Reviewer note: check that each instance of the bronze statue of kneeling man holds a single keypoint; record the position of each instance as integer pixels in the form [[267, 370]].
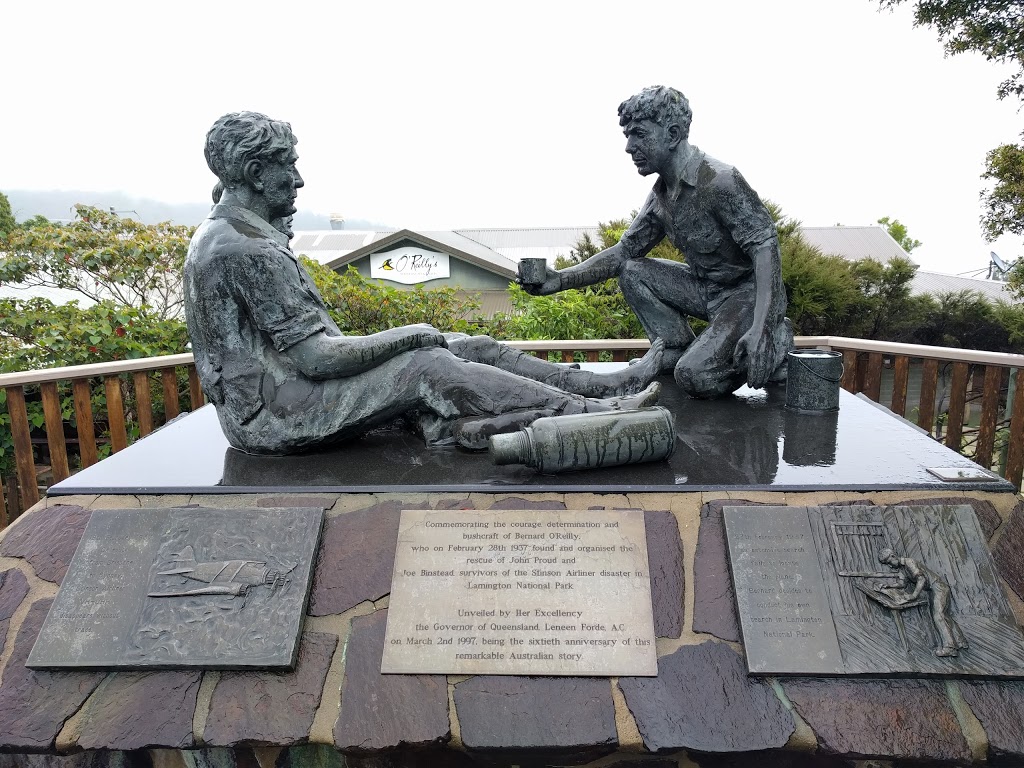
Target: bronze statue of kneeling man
[[285, 379], [732, 277]]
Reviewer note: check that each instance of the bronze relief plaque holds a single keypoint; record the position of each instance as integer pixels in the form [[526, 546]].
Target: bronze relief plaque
[[183, 588], [870, 590]]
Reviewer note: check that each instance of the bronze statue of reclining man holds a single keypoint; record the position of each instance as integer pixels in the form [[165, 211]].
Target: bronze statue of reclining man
[[281, 374]]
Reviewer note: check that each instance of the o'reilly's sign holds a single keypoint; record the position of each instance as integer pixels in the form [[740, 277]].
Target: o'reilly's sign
[[409, 265]]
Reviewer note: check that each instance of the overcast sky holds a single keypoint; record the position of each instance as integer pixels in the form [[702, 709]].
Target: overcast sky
[[443, 115]]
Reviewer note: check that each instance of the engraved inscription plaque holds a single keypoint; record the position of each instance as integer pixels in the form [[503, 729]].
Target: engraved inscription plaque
[[870, 590], [183, 588], [784, 612], [531, 592]]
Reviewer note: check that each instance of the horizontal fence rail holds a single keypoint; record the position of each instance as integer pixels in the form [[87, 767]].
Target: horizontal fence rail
[[963, 397], [65, 419]]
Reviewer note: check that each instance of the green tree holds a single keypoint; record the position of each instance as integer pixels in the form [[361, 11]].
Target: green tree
[[889, 312], [132, 271], [103, 257], [1003, 201], [822, 293], [360, 306], [7, 222], [1011, 317], [898, 232], [35, 333], [570, 314], [36, 221], [597, 311], [964, 319], [993, 28]]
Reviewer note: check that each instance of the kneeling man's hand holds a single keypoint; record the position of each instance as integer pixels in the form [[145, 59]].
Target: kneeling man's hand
[[753, 352], [551, 284]]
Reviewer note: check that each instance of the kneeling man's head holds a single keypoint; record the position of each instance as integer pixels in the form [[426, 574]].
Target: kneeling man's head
[[659, 104]]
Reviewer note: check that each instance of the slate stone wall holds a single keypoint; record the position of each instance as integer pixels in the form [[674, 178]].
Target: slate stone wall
[[336, 709]]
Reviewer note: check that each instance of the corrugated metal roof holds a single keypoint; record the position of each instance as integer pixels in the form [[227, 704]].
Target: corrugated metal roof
[[935, 283], [491, 302], [473, 248], [322, 257], [539, 237], [342, 241], [856, 243]]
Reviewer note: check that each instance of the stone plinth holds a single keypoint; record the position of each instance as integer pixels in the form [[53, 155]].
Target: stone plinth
[[336, 709]]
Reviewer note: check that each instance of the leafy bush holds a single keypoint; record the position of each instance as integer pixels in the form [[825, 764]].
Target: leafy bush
[[360, 306]]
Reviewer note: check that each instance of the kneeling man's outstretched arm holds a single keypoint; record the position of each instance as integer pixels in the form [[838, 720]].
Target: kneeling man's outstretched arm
[[331, 357], [598, 268]]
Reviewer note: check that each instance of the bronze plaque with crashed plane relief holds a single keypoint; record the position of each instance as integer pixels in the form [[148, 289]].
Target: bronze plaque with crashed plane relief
[[182, 588]]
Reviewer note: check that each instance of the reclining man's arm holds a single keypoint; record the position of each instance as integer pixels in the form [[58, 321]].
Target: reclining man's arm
[[332, 357]]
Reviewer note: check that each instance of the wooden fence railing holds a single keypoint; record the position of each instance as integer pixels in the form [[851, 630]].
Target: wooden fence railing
[[965, 398], [98, 409], [67, 418]]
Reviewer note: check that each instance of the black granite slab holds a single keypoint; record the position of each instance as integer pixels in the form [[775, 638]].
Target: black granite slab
[[746, 441]]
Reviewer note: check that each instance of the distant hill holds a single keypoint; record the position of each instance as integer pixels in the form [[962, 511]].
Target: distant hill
[[58, 205]]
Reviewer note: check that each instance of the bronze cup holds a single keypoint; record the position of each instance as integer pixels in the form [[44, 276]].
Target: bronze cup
[[533, 271]]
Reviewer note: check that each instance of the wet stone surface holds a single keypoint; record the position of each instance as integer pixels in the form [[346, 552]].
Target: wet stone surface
[[34, 705], [271, 707], [566, 719], [134, 710], [48, 541], [703, 700], [665, 557], [385, 711], [884, 718], [426, 758], [1009, 551], [357, 557], [999, 705], [297, 500], [13, 588], [722, 443], [714, 600], [519, 503], [453, 504]]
